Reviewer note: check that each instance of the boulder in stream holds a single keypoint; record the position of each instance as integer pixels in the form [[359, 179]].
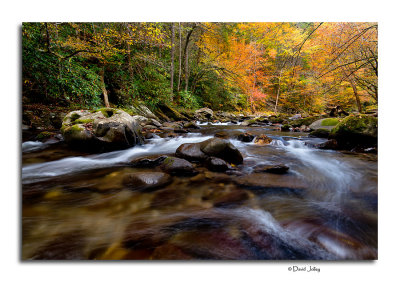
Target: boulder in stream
[[146, 181], [177, 166], [223, 149], [102, 130], [204, 114], [356, 130]]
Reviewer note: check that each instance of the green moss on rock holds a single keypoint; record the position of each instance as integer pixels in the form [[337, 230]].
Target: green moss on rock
[[107, 112], [74, 117], [362, 124], [83, 121], [330, 122], [44, 135]]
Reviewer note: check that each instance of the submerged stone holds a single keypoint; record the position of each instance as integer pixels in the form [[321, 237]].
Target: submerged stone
[[146, 181]]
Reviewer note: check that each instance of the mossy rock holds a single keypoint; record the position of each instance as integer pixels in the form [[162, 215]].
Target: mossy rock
[[104, 129], [330, 122], [304, 121], [356, 130], [285, 127], [44, 135], [320, 133], [357, 125]]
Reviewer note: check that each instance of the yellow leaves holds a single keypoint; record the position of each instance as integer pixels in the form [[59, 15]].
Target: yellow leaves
[[272, 53]]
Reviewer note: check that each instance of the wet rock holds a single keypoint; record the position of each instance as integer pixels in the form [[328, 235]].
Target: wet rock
[[148, 162], [177, 166], [245, 137], [222, 135], [143, 235], [190, 152], [262, 140], [285, 127], [69, 246], [213, 243], [277, 169], [222, 149], [268, 183], [149, 127], [149, 135], [328, 145], [154, 122], [232, 200], [172, 125], [356, 130], [320, 133], [103, 130], [180, 130], [191, 125], [170, 251], [146, 181], [271, 246], [167, 197], [216, 164], [168, 135]]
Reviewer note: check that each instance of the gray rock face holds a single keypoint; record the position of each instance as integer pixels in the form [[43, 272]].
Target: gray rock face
[[146, 181], [204, 114], [104, 130]]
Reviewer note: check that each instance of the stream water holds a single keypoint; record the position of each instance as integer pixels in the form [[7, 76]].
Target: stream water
[[75, 206]]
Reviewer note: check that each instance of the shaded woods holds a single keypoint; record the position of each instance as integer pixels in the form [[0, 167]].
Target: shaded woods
[[253, 67]]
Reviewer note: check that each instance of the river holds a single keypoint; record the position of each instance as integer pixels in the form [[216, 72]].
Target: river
[[75, 206]]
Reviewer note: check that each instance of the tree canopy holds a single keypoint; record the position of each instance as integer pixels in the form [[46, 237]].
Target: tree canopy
[[280, 66]]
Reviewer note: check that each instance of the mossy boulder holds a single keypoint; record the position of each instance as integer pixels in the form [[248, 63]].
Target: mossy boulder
[[356, 130], [320, 133], [325, 123], [330, 122], [105, 129], [204, 114], [303, 121]]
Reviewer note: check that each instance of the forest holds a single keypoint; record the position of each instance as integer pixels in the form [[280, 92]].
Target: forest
[[242, 67]]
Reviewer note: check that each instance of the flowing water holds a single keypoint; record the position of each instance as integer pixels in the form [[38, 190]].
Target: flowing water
[[75, 206]]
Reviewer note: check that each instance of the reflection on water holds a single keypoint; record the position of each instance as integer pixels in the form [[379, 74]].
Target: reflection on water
[[75, 206]]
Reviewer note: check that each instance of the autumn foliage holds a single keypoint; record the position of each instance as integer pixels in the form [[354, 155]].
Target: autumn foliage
[[281, 67]]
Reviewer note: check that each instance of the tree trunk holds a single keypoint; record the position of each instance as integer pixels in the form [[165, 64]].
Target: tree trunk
[[103, 88], [277, 92], [353, 85], [180, 57], [187, 57], [172, 59]]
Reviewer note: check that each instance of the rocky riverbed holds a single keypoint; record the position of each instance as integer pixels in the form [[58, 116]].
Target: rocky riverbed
[[200, 190]]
